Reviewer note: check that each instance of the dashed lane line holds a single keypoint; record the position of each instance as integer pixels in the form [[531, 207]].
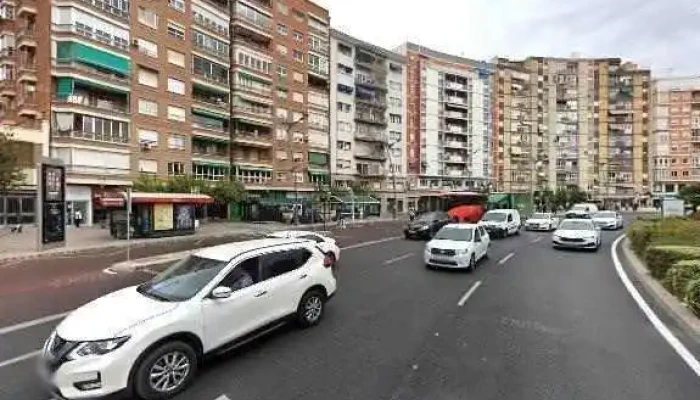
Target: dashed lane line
[[469, 293], [505, 259], [29, 324], [399, 258], [21, 358]]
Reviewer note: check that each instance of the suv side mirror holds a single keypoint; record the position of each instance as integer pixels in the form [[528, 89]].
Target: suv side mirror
[[221, 292]]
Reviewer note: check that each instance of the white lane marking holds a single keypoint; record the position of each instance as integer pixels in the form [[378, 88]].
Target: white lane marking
[[505, 259], [21, 358], [29, 324], [469, 293], [537, 239], [666, 333], [109, 271], [222, 397], [399, 258], [373, 242]]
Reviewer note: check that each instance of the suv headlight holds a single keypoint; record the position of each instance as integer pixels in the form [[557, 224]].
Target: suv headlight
[[97, 348], [461, 252]]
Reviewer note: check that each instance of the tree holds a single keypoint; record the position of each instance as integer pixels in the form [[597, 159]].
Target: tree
[[149, 184], [185, 184], [691, 195], [11, 174], [225, 191], [576, 195]]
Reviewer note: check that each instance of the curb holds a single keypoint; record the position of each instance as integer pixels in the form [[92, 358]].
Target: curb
[[679, 312], [122, 244]]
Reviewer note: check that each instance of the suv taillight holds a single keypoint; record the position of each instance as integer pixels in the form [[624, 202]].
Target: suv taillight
[[328, 261]]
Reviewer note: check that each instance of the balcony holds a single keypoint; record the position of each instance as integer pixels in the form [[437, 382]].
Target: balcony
[[94, 103], [253, 139], [371, 136], [321, 48], [380, 103], [27, 7], [255, 111], [27, 70], [216, 102], [91, 136], [69, 66], [209, 26], [621, 108], [252, 44], [28, 105], [26, 38], [456, 86], [252, 20], [219, 81], [455, 160], [368, 170], [456, 172], [370, 118], [256, 89], [7, 88], [456, 115], [372, 82], [455, 144], [455, 129], [107, 8], [377, 155], [7, 56], [219, 55], [213, 125], [458, 101], [318, 70]]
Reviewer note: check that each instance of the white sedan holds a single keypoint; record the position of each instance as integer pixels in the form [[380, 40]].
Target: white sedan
[[608, 220], [457, 246], [327, 244], [542, 222], [577, 234]]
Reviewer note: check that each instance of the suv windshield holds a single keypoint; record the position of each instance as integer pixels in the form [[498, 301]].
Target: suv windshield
[[458, 234], [605, 215], [577, 225], [495, 216], [183, 280], [540, 216]]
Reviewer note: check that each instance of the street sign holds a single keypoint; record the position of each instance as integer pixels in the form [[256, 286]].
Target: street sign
[[51, 204], [673, 207]]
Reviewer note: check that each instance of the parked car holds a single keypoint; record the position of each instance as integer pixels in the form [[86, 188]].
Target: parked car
[[327, 244], [542, 222], [149, 340], [425, 226], [608, 220], [582, 210], [457, 246], [577, 234], [501, 223]]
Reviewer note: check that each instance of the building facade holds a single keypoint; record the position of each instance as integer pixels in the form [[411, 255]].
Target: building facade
[[210, 88], [676, 138], [368, 120], [449, 109], [589, 123]]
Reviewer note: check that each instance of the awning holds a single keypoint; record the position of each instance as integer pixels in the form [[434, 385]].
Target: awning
[[318, 172], [170, 198], [92, 56], [497, 198]]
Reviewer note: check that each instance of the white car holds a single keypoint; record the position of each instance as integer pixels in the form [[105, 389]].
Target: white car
[[608, 220], [149, 340], [457, 246], [542, 222], [577, 234], [502, 222], [327, 244]]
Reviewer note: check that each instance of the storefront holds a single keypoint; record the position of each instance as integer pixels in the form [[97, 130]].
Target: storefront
[[79, 198]]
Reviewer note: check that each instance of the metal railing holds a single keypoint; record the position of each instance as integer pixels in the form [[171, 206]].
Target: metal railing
[[90, 136], [221, 55], [373, 118], [209, 102], [69, 63], [102, 5], [210, 78], [95, 102], [259, 22]]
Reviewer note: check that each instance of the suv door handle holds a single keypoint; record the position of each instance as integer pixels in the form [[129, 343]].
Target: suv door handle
[[303, 276], [260, 294]]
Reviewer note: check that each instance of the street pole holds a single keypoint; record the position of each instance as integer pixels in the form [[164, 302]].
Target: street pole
[[296, 197], [128, 224], [231, 80]]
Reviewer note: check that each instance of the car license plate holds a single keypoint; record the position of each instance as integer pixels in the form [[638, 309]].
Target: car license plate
[[441, 258]]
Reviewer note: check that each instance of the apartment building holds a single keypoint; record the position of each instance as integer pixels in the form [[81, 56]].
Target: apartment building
[[210, 88], [368, 120], [449, 106], [590, 126], [675, 142]]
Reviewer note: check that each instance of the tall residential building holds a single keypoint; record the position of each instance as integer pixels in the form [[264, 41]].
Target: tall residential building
[[449, 105], [368, 123], [676, 139], [133, 87], [24, 98], [590, 128]]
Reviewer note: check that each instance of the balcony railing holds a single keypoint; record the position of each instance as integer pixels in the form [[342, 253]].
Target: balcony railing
[[371, 171], [105, 6], [245, 136], [7, 52], [258, 21], [211, 78], [91, 136], [238, 41], [263, 91], [258, 111], [109, 77], [210, 26], [371, 155], [95, 102], [198, 124], [209, 102], [455, 159], [26, 35], [375, 102], [27, 99], [318, 70], [221, 55], [456, 114], [371, 118], [455, 144], [371, 136], [456, 129]]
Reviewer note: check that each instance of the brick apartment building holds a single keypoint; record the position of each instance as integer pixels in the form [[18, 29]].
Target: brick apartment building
[[129, 87]]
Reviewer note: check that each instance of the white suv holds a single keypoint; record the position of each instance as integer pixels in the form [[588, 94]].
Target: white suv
[[148, 340]]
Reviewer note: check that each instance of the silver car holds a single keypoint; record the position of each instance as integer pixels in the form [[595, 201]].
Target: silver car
[[608, 220], [577, 234]]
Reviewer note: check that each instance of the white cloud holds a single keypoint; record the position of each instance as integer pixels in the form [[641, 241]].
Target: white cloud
[[654, 33]]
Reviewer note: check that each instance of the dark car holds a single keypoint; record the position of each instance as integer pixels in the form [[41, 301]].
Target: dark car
[[425, 226]]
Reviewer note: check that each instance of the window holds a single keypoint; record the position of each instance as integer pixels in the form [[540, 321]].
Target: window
[[253, 62], [281, 71], [281, 94], [281, 155], [148, 17], [343, 163], [298, 36], [281, 113], [148, 166], [176, 58], [176, 168], [148, 107], [297, 137], [148, 48], [298, 56], [282, 8], [344, 126], [282, 49], [176, 142], [282, 29], [148, 77], [395, 118], [243, 275], [299, 16], [209, 44], [281, 176], [298, 77], [148, 136], [298, 157], [178, 5], [177, 113], [344, 107], [344, 145], [298, 177], [281, 134], [176, 86], [298, 97], [279, 263], [396, 86], [176, 31]]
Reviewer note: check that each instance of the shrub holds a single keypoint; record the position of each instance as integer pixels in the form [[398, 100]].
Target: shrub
[[669, 231], [680, 274], [640, 235], [692, 297], [660, 258]]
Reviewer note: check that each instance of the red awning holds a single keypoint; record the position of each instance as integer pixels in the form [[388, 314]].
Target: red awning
[[111, 202]]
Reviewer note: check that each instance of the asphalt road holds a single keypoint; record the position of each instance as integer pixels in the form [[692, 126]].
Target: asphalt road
[[538, 324]]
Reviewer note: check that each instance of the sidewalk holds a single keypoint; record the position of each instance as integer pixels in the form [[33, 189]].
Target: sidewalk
[[23, 245]]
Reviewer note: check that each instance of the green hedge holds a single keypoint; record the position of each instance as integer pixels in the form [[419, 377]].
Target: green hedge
[[660, 258], [669, 231], [692, 297], [679, 275]]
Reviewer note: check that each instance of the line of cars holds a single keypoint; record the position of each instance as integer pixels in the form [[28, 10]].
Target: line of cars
[[148, 341]]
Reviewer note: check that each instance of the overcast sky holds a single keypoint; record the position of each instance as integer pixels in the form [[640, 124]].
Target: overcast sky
[[662, 35]]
